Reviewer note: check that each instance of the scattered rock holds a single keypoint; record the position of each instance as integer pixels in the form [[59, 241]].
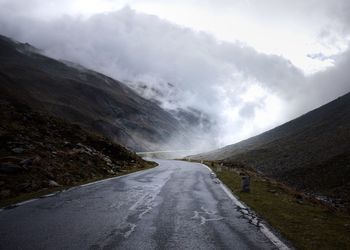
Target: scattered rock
[[36, 157], [52, 183], [18, 150], [217, 181], [107, 160], [115, 167], [110, 171], [10, 168]]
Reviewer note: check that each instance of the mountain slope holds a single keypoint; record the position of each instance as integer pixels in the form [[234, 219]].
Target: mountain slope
[[311, 152], [39, 152], [82, 96]]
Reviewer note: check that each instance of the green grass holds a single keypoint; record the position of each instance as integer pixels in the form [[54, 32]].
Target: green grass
[[307, 225], [39, 193]]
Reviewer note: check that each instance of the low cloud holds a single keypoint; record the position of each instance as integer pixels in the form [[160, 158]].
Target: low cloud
[[243, 92]]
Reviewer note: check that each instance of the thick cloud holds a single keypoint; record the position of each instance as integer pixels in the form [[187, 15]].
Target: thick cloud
[[242, 91]]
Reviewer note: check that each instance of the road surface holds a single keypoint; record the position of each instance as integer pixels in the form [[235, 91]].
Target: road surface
[[176, 205]]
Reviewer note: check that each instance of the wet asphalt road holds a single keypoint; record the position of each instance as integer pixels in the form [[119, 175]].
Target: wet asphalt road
[[176, 205]]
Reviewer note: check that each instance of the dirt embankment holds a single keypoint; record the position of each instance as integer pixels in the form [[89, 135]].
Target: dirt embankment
[[40, 152]]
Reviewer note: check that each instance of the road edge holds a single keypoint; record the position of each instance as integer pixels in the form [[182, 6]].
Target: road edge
[[262, 227], [68, 189]]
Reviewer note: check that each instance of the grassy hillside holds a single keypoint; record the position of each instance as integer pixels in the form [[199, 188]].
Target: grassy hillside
[[303, 220], [310, 153]]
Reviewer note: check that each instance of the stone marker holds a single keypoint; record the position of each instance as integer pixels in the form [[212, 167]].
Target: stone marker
[[245, 184]]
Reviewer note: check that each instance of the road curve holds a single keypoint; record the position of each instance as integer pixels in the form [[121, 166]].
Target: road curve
[[176, 205]]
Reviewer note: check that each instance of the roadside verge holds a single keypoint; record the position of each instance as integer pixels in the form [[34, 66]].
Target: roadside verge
[[306, 224], [251, 216]]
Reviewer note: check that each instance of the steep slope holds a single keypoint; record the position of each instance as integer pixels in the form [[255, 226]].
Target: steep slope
[[39, 152], [82, 96], [311, 152]]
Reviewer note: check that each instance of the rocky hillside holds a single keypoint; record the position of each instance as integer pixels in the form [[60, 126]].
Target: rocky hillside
[[82, 96], [40, 152], [310, 153]]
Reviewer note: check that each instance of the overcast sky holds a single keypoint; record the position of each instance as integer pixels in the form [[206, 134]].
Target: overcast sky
[[249, 64]]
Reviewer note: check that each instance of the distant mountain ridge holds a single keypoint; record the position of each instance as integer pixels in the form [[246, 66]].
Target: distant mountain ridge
[[90, 99], [311, 152]]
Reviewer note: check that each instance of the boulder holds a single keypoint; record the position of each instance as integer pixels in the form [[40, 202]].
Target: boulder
[[52, 183], [18, 150]]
